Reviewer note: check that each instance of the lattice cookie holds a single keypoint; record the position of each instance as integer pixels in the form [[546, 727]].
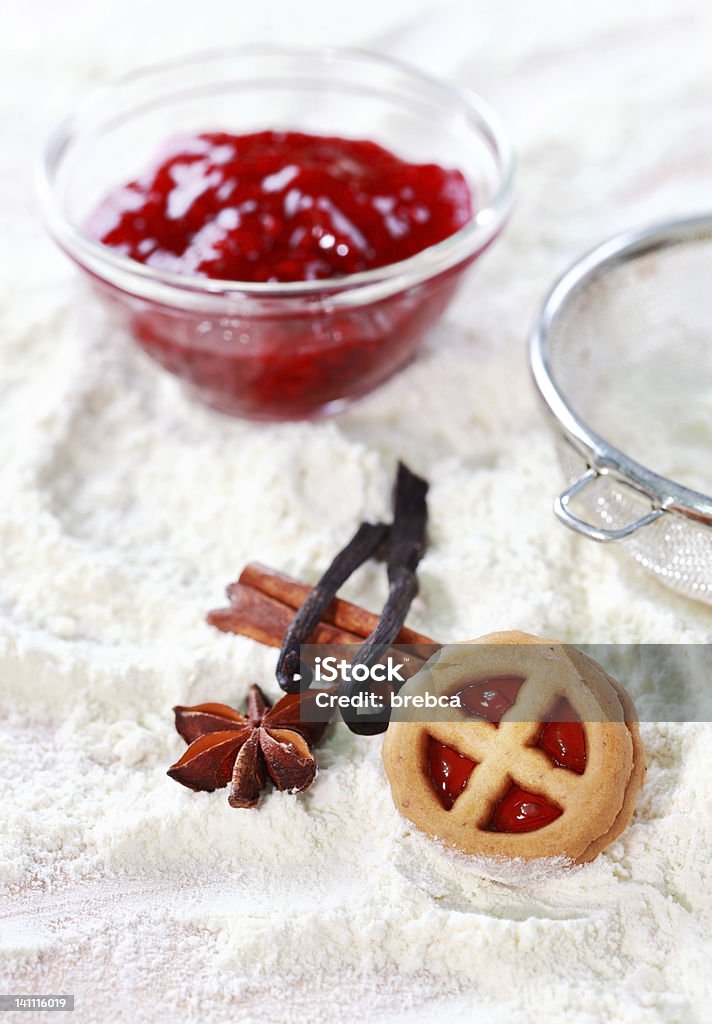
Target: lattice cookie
[[543, 758]]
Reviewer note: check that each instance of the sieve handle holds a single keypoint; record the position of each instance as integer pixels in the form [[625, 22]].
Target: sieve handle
[[599, 533]]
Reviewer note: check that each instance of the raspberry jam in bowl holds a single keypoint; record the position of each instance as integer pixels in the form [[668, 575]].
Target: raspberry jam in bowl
[[279, 228]]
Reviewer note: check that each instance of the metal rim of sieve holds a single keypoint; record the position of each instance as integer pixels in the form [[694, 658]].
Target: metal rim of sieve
[[602, 459]]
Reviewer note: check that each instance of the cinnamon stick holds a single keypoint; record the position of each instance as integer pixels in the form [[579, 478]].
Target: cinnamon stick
[[343, 614], [261, 617], [263, 602]]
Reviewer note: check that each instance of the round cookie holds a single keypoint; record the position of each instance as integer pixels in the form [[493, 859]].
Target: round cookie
[[512, 796]]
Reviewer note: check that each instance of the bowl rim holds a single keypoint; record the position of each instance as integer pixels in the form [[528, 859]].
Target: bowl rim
[[451, 251]]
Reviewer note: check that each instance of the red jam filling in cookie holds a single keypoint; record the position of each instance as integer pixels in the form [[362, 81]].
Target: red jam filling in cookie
[[519, 811], [563, 738], [449, 772], [491, 698]]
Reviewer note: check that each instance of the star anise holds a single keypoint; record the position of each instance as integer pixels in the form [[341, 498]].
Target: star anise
[[247, 749]]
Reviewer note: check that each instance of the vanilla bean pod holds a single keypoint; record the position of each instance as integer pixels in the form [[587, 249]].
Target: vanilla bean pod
[[406, 548], [364, 544]]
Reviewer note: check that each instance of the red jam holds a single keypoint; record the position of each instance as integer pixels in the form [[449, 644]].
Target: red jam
[[491, 698], [449, 772], [282, 207], [519, 811], [563, 738]]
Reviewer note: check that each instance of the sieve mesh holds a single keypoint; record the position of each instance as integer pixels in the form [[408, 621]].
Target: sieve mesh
[[675, 549], [629, 348]]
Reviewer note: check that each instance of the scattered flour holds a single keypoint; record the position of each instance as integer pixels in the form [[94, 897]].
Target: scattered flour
[[126, 509]]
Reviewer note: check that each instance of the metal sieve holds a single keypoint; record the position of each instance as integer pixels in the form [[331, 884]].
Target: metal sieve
[[622, 350]]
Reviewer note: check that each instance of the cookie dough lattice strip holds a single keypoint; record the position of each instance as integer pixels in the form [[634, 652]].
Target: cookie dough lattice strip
[[503, 755]]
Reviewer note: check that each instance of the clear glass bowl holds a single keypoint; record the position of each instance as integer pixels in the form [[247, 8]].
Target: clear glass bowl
[[276, 351]]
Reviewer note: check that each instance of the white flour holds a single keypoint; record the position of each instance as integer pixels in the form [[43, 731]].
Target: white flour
[[125, 510]]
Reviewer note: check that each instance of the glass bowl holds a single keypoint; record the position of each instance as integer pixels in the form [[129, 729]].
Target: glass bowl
[[276, 351]]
